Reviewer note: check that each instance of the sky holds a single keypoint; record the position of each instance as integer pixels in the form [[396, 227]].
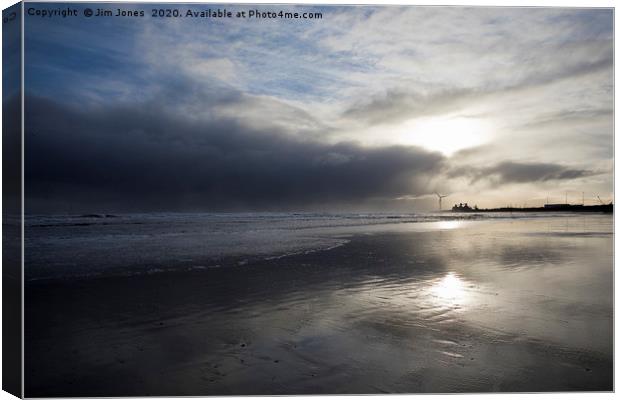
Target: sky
[[365, 109]]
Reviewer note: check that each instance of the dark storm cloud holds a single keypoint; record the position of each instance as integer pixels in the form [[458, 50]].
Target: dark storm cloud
[[516, 172], [143, 157], [11, 152]]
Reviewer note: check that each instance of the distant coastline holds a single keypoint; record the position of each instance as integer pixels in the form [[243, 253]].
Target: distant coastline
[[605, 208]]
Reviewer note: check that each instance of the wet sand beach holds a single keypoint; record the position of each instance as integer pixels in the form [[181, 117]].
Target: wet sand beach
[[474, 306]]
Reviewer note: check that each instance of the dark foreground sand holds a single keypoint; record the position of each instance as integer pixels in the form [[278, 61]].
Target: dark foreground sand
[[475, 307]]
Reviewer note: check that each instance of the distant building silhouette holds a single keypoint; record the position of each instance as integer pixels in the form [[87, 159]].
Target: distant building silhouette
[[462, 207]]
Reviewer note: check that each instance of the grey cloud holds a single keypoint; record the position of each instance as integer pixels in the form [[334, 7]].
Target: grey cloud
[[395, 105], [518, 172], [142, 158], [569, 118]]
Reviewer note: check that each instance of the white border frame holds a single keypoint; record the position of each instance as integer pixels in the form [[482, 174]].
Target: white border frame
[[481, 3]]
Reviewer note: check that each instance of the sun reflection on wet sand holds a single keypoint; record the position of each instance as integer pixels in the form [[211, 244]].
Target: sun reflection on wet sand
[[450, 289], [449, 224]]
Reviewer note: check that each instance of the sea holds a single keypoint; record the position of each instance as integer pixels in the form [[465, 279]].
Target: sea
[[91, 245]]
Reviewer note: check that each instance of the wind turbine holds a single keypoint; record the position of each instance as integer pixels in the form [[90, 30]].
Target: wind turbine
[[440, 197]]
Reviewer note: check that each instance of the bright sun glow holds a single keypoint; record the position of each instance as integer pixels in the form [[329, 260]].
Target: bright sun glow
[[445, 134]]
